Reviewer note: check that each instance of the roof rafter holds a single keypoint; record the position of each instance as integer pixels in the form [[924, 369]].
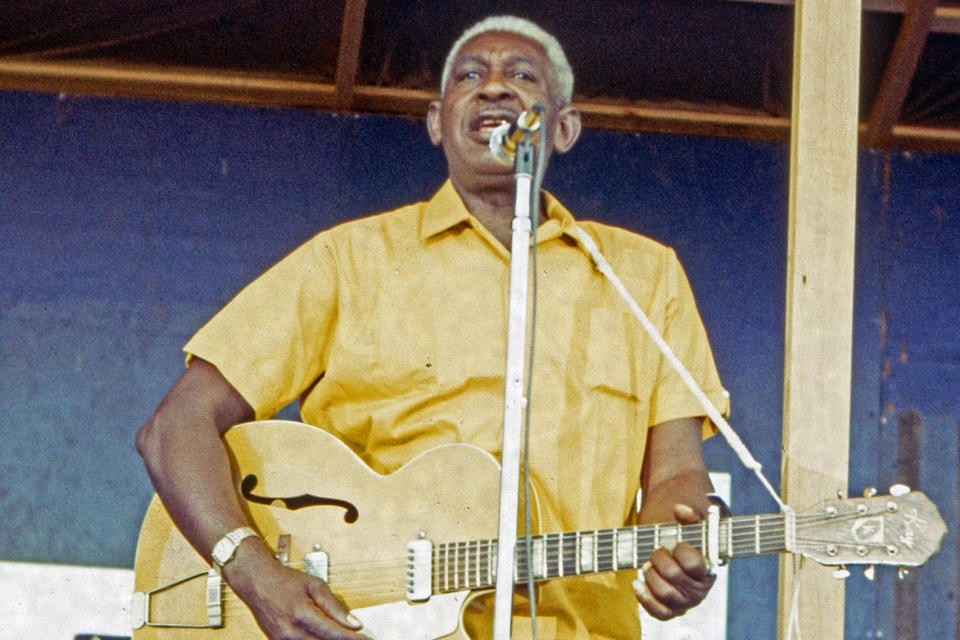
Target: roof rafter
[[348, 57], [899, 72]]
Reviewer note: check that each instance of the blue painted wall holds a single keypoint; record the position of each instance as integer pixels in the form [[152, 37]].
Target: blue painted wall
[[126, 224]]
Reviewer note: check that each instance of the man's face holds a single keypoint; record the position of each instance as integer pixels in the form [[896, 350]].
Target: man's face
[[495, 77]]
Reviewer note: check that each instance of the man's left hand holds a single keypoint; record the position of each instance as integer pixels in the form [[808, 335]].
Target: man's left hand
[[672, 583]]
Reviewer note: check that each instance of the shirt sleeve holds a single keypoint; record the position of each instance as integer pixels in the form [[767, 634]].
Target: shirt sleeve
[[683, 330], [269, 341]]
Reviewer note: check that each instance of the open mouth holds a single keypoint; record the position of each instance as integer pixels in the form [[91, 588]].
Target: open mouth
[[484, 123]]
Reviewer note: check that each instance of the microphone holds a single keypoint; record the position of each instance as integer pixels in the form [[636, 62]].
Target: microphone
[[505, 138]]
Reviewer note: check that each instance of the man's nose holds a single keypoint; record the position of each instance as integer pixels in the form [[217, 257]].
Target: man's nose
[[495, 87]]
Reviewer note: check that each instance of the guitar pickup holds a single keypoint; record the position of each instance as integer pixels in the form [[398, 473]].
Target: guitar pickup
[[419, 570]]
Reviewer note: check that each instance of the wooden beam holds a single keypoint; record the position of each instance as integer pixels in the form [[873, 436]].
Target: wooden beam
[[946, 20], [163, 83], [204, 85], [819, 305], [899, 72], [348, 58], [672, 120]]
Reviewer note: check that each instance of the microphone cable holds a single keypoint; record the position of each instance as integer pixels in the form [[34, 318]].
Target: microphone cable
[[538, 172]]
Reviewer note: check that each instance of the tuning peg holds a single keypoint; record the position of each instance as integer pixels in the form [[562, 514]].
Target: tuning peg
[[898, 490], [902, 572], [868, 572], [869, 492], [841, 573]]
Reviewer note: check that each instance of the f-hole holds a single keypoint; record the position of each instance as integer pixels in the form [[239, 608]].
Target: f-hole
[[304, 500]]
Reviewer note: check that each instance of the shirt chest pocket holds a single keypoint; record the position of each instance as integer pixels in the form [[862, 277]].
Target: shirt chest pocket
[[610, 354]]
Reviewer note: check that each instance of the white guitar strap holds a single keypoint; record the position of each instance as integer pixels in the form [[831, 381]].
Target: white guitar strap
[[603, 266], [600, 262]]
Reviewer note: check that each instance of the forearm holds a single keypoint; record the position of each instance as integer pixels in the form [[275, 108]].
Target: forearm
[[675, 486], [186, 459], [674, 471], [688, 488]]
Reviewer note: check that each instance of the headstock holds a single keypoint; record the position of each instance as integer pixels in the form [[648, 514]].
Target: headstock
[[903, 529]]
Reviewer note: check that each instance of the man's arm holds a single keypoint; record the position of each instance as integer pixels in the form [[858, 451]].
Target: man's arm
[[187, 461], [675, 486]]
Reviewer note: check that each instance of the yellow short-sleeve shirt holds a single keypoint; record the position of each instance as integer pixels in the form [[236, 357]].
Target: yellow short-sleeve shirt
[[392, 332]]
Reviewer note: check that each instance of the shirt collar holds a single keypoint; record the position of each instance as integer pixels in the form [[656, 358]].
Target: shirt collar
[[445, 210]]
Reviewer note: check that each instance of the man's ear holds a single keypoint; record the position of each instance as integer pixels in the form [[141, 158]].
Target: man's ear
[[434, 118], [568, 129]]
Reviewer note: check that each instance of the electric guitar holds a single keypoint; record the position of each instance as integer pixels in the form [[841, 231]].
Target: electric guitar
[[407, 551]]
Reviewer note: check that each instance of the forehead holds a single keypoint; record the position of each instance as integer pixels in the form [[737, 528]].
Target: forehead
[[502, 44]]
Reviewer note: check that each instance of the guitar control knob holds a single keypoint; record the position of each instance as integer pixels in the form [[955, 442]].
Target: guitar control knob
[[899, 490]]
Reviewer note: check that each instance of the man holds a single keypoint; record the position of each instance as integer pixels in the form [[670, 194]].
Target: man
[[391, 330]]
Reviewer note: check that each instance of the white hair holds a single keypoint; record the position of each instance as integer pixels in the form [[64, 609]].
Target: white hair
[[562, 74]]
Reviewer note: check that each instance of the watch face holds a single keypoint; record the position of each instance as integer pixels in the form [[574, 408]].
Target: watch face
[[223, 551], [227, 545]]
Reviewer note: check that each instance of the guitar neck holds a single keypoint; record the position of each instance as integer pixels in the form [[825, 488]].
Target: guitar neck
[[471, 565]]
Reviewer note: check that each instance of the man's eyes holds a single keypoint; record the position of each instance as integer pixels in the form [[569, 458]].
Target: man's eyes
[[474, 74]]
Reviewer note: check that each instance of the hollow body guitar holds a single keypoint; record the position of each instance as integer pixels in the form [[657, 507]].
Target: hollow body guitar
[[407, 551]]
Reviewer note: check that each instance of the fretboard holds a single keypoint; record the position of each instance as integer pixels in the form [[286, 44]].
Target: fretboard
[[472, 565]]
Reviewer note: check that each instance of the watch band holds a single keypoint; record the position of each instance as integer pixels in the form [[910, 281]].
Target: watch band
[[226, 546]]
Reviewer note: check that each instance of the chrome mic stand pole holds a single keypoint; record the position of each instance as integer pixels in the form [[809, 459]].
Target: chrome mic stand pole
[[515, 400]]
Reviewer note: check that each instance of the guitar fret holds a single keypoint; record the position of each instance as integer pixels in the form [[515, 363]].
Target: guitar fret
[[554, 551], [579, 552], [491, 553], [730, 538], [596, 546], [446, 566], [452, 554], [570, 543], [756, 534], [615, 555], [540, 553], [476, 564]]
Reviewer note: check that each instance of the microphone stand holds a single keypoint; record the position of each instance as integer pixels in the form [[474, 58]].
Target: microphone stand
[[515, 402]]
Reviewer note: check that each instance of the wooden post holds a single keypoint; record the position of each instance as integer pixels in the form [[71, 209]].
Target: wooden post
[[819, 305]]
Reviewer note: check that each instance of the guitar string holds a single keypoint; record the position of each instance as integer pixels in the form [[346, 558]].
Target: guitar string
[[462, 571], [454, 554], [341, 580], [744, 526]]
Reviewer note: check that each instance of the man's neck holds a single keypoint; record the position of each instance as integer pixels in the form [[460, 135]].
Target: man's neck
[[494, 208]]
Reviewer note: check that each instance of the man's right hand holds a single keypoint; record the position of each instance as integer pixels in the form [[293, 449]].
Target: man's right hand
[[286, 603]]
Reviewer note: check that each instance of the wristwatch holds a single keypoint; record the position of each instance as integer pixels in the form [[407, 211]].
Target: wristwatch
[[226, 546]]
